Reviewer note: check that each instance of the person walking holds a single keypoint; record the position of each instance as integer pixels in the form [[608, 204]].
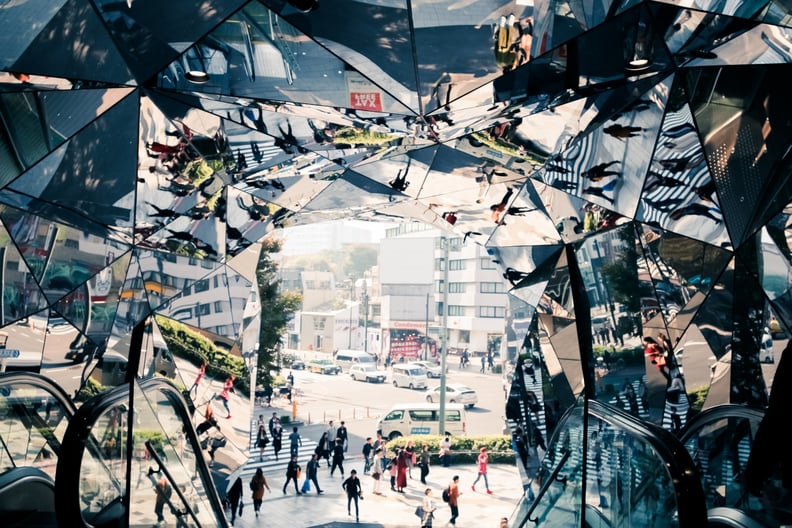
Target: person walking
[[295, 442], [483, 461], [277, 438], [453, 499], [313, 469], [424, 462], [292, 473], [483, 363], [338, 457], [163, 493], [321, 449], [343, 435], [257, 485], [234, 497], [225, 395], [354, 492], [368, 451], [428, 509], [272, 422], [197, 382], [262, 440]]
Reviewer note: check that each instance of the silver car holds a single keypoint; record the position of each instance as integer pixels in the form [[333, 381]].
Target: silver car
[[432, 370], [454, 394]]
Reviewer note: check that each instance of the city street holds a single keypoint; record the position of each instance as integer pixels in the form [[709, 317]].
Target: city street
[[328, 397]]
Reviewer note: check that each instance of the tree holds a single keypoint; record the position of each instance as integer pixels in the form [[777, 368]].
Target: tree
[[277, 308], [359, 258]]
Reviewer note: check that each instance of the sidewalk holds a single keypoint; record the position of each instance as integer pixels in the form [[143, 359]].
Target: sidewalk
[[392, 510]]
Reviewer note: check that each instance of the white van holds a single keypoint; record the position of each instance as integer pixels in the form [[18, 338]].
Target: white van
[[347, 358], [411, 376], [421, 418]]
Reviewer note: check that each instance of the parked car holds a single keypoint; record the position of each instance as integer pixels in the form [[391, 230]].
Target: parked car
[[366, 372], [776, 331], [432, 370], [297, 364], [454, 394], [323, 366]]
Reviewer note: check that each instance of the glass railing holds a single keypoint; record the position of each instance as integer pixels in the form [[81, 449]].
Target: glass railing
[[34, 415], [132, 458], [605, 468], [720, 441]]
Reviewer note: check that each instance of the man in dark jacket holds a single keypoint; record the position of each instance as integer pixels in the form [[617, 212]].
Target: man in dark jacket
[[338, 457], [291, 474], [234, 496], [354, 491], [343, 435], [312, 468]]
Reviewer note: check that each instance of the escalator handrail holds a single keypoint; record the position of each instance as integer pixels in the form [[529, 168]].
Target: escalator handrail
[[690, 497], [719, 412], [688, 490], [42, 382], [67, 499]]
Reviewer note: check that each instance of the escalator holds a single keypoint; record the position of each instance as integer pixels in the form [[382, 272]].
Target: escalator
[[130, 457], [34, 415], [604, 468], [719, 441]]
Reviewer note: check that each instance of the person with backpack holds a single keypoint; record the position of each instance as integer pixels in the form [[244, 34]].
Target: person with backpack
[[452, 493], [257, 485]]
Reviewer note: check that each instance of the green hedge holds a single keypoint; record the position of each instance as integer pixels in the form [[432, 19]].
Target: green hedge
[[464, 449], [195, 348]]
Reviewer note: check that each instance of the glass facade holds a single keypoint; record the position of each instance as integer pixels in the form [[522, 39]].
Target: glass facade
[[626, 165]]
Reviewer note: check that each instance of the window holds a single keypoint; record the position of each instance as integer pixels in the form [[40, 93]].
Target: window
[[456, 265], [422, 416], [203, 309], [201, 286], [395, 415], [456, 287], [487, 263], [439, 265], [456, 310], [491, 287], [440, 287], [453, 416], [492, 311]]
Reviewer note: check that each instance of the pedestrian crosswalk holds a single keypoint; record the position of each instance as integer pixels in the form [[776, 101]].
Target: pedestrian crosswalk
[[267, 461]]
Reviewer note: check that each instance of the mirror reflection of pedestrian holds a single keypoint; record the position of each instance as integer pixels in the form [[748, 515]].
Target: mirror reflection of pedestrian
[[163, 493], [234, 497], [225, 395]]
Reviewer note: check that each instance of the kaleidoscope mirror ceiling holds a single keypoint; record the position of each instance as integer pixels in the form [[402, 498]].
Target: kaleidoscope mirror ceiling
[[640, 149]]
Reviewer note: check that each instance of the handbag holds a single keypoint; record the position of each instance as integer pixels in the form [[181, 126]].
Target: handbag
[[217, 443], [306, 487], [419, 512], [205, 443]]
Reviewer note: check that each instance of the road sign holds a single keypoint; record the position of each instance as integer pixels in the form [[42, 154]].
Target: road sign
[[9, 353]]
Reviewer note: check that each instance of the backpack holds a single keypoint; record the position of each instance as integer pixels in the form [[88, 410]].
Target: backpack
[[447, 494]]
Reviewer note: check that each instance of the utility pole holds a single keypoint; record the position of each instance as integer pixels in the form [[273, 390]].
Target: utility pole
[[365, 319], [444, 244]]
